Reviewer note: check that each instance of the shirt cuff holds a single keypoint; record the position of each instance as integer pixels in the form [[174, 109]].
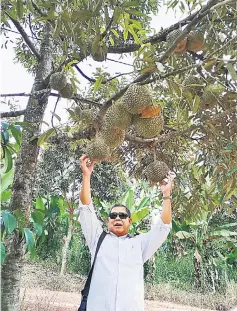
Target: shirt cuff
[[89, 206], [159, 222]]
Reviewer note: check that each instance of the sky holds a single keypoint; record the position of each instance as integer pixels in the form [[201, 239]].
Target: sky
[[15, 79]]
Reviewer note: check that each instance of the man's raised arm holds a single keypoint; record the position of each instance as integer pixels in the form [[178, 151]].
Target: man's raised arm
[[90, 224], [152, 240]]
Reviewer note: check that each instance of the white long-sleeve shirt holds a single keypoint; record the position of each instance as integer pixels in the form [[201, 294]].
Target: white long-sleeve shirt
[[117, 282]]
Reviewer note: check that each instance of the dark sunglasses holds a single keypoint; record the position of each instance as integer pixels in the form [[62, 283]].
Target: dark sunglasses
[[115, 215]]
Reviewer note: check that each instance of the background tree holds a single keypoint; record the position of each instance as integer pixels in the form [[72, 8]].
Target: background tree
[[199, 115]]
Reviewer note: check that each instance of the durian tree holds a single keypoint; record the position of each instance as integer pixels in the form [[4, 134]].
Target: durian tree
[[178, 105]]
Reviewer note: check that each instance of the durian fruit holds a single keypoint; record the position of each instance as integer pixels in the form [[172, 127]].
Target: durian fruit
[[192, 84], [156, 171], [137, 98], [58, 81], [208, 100], [99, 50], [97, 150], [172, 36], [113, 136], [148, 128], [67, 91], [87, 116], [117, 116], [195, 41]]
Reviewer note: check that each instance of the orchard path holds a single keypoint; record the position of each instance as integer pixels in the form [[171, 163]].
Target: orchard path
[[47, 300]]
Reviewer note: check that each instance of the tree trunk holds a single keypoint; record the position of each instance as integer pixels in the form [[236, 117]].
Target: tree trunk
[[66, 246], [24, 177]]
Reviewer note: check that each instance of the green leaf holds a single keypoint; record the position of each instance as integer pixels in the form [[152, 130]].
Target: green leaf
[[38, 229], [7, 160], [19, 8], [144, 202], [196, 103], [57, 28], [83, 15], [231, 171], [45, 136], [40, 204], [139, 215], [20, 217], [182, 235], [232, 71], [9, 221], [98, 83], [215, 88], [16, 132], [56, 116], [30, 240], [98, 6], [222, 233], [115, 33], [130, 199], [127, 4], [3, 253], [7, 180], [38, 217], [6, 195]]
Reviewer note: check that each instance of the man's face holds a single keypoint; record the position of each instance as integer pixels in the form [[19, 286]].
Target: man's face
[[119, 226]]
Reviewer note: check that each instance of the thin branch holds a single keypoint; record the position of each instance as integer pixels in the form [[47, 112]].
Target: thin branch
[[76, 97], [119, 62], [53, 113], [12, 114], [24, 36], [221, 4], [108, 27], [103, 82], [16, 32], [35, 6]]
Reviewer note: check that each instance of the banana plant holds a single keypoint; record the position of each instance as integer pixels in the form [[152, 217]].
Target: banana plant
[[201, 235], [140, 200]]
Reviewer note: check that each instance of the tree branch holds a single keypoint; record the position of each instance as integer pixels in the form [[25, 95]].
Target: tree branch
[[76, 97], [108, 27], [94, 80], [16, 32], [161, 36], [12, 114], [24, 36]]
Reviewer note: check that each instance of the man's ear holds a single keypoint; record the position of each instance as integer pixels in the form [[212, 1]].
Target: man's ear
[[107, 220], [130, 220]]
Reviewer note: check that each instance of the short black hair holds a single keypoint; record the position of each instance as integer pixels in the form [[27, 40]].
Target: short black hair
[[127, 210]]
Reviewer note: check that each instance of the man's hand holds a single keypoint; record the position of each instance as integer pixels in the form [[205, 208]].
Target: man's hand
[[86, 168], [166, 187]]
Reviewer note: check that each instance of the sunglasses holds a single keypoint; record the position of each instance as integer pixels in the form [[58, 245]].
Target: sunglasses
[[115, 215]]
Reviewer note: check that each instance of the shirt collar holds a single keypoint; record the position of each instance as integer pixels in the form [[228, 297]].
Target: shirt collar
[[122, 236]]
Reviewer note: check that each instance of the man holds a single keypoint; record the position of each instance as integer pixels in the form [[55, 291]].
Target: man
[[117, 282]]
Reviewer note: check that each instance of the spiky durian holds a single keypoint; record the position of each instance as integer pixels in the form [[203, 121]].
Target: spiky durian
[[148, 128], [195, 41], [67, 91], [99, 49], [156, 171], [113, 136], [97, 150], [117, 116], [137, 98], [58, 81], [172, 36]]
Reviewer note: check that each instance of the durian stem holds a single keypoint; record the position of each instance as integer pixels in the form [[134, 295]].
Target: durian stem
[[154, 153]]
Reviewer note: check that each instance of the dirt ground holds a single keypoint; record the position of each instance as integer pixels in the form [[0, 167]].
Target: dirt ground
[[43, 289], [46, 300]]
